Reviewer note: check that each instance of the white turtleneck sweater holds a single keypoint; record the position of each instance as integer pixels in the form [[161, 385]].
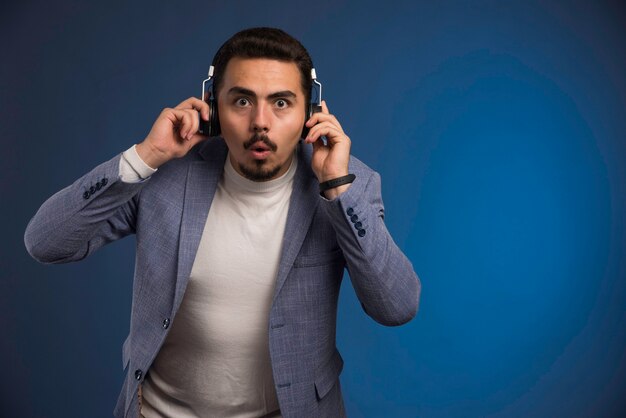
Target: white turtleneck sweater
[[215, 360]]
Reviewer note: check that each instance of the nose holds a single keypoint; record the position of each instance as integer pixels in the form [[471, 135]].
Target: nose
[[260, 118]]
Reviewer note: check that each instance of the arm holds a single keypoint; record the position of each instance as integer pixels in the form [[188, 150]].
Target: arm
[[96, 209], [101, 206], [382, 276]]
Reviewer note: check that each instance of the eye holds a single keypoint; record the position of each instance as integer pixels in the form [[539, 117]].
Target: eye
[[242, 102], [282, 103]]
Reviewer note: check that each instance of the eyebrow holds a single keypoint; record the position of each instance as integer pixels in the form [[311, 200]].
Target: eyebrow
[[248, 92]]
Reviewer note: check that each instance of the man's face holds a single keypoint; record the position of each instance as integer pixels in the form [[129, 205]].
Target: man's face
[[261, 111]]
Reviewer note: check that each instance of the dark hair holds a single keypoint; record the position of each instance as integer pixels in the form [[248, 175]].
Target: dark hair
[[264, 43]]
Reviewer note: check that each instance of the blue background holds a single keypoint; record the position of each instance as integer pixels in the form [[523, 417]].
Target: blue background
[[498, 129]]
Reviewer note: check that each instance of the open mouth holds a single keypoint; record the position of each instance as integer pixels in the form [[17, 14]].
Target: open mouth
[[260, 150], [260, 146]]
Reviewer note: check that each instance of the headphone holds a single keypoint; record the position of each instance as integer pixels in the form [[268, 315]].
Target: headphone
[[212, 126]]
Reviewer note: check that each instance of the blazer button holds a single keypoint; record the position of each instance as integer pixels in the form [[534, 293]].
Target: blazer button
[[86, 195], [138, 374], [166, 323], [350, 211], [361, 232], [354, 218]]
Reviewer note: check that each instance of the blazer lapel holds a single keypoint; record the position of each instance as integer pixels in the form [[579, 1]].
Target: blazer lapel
[[201, 184], [302, 207], [202, 179]]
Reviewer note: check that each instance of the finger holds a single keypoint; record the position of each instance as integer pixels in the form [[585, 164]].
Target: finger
[[195, 138], [325, 129], [319, 146], [333, 137], [197, 104], [181, 120], [185, 126], [191, 103], [325, 107], [195, 122], [175, 116], [326, 114], [323, 117]]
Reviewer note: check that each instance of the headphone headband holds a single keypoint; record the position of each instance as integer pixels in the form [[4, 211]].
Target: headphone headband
[[212, 126]]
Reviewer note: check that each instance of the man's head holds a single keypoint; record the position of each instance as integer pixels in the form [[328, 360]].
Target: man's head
[[262, 85], [267, 43]]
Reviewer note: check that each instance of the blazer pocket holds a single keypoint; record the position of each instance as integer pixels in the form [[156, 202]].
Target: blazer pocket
[[327, 375], [312, 260]]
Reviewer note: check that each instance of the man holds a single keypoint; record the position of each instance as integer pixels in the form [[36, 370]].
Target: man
[[242, 241]]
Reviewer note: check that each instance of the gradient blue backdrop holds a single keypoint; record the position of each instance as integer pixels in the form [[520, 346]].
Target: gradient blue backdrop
[[499, 130]]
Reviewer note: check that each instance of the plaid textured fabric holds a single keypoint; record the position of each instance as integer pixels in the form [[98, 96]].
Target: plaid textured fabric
[[167, 212]]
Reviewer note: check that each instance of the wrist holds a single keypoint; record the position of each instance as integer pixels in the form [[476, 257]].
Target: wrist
[[336, 186], [335, 192], [323, 178], [152, 157]]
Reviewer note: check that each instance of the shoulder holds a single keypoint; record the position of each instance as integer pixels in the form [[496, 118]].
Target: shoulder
[[210, 151], [358, 167], [355, 166]]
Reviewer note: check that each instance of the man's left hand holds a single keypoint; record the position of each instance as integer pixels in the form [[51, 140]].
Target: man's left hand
[[329, 161]]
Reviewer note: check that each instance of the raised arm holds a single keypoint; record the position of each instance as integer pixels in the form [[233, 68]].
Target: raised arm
[[382, 276]]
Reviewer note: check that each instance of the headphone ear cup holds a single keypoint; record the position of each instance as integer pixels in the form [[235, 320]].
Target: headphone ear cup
[[312, 108], [307, 116], [214, 120]]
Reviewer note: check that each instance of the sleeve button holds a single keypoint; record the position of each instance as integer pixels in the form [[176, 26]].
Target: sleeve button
[[361, 232], [350, 211], [354, 218], [86, 195], [92, 189], [104, 181]]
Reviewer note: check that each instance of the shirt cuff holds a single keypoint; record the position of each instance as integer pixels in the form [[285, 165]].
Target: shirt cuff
[[132, 168]]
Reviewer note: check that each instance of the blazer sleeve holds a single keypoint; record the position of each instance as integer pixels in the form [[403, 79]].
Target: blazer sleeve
[[96, 209], [382, 276]]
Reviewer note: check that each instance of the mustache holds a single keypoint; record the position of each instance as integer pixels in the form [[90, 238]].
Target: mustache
[[260, 138]]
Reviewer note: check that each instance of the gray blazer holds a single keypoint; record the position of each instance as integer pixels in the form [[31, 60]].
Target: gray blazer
[[167, 213]]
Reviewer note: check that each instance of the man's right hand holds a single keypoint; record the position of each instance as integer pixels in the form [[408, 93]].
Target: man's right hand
[[174, 133]]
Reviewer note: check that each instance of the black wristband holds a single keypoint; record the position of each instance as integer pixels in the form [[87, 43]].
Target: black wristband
[[339, 181]]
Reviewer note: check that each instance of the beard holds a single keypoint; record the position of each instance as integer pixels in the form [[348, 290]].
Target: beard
[[260, 169]]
